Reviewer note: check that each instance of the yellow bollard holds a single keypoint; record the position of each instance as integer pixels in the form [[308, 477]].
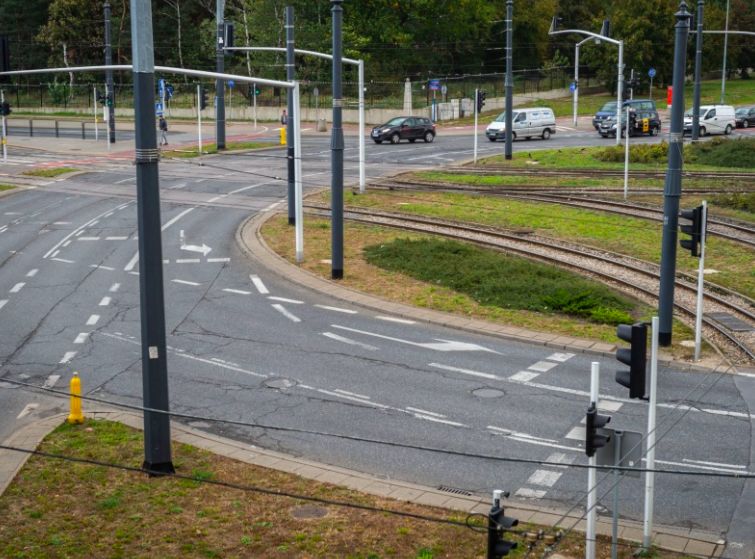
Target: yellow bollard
[[76, 416], [283, 135]]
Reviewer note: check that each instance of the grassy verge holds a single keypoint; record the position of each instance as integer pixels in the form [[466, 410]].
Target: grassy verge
[[50, 172], [187, 152], [57, 509], [625, 235], [6, 187]]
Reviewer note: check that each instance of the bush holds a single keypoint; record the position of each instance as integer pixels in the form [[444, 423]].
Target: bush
[[722, 152], [638, 153], [744, 201]]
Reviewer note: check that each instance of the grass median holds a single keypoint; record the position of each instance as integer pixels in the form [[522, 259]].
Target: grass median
[[6, 187], [50, 172], [186, 152]]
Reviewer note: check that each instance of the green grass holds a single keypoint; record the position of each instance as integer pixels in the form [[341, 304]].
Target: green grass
[[500, 280], [50, 172], [6, 187], [188, 152]]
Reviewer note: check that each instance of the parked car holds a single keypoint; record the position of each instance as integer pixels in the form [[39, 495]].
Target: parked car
[[410, 128], [526, 123], [744, 117], [643, 119], [606, 111], [714, 119]]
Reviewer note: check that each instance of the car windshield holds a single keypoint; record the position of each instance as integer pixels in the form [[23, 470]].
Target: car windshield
[[609, 107], [742, 112], [502, 116], [689, 112], [395, 121]]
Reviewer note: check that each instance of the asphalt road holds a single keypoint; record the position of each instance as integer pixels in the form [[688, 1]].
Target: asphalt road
[[249, 346]]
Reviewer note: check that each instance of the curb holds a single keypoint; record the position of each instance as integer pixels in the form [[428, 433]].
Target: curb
[[682, 540]]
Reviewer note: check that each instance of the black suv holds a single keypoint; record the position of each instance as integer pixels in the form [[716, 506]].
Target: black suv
[[410, 128], [643, 118]]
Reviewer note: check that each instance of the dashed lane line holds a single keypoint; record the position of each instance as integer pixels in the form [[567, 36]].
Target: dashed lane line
[[67, 357], [81, 338], [3, 302], [237, 291], [185, 282], [93, 320], [394, 319], [259, 285], [105, 301], [285, 300], [349, 341], [336, 309], [281, 309], [32, 273], [18, 287]]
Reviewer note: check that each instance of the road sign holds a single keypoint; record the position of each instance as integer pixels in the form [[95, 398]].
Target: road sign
[[231, 83], [573, 87], [434, 85], [651, 72], [444, 90], [161, 86], [169, 91], [159, 109], [316, 92]]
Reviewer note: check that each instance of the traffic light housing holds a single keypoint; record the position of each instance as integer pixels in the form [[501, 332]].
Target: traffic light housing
[[202, 99], [481, 95], [593, 439], [4, 54], [498, 524], [556, 23], [109, 99], [693, 229], [5, 109], [228, 36], [635, 356]]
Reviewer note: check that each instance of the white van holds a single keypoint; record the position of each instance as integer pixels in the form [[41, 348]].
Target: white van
[[526, 123], [714, 119]]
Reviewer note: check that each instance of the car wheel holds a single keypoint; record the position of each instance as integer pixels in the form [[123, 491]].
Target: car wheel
[[702, 131], [491, 139], [654, 131], [546, 134], [429, 137], [378, 141], [746, 124], [395, 139], [513, 136], [412, 140], [727, 130]]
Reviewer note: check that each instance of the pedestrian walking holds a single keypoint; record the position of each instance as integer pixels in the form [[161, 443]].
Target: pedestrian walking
[[284, 117], [163, 131]]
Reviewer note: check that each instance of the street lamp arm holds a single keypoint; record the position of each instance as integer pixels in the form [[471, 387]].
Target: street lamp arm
[[589, 34], [730, 32], [297, 51]]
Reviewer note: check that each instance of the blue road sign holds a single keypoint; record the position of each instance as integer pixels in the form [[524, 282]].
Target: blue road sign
[[651, 72], [573, 87], [169, 91], [159, 109], [161, 85], [231, 83], [434, 85]]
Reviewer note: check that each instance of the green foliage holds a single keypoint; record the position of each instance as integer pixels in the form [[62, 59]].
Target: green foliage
[[722, 152], [59, 92], [638, 153], [744, 201], [504, 281]]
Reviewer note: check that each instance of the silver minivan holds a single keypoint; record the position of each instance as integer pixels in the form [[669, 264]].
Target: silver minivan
[[527, 123], [714, 119]]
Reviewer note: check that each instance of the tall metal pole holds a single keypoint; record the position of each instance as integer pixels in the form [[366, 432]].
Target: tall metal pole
[[576, 80], [299, 233], [290, 139], [619, 92], [698, 66], [726, 44], [199, 120], [157, 452], [220, 84], [700, 284], [476, 104], [673, 187], [336, 148], [591, 471], [647, 525], [4, 138], [109, 91], [362, 177], [509, 85]]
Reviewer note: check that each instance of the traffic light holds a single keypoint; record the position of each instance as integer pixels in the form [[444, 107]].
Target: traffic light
[[635, 356], [4, 54], [605, 29], [498, 524], [556, 23], [5, 109], [109, 99], [595, 421], [481, 95], [228, 35], [694, 229], [202, 99]]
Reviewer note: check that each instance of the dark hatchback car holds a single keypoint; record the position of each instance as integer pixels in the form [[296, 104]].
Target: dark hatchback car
[[745, 117], [410, 128]]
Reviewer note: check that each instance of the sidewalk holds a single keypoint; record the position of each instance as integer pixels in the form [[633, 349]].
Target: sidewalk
[[683, 540]]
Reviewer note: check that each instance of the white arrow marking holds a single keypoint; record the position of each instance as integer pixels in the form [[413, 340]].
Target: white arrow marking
[[444, 345], [27, 410], [204, 249]]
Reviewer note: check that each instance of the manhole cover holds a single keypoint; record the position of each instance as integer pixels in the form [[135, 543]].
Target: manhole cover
[[308, 511], [488, 393], [279, 383]]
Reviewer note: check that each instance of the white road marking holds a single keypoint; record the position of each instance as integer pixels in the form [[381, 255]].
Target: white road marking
[[134, 259], [79, 230], [68, 242], [54, 254], [93, 319], [437, 420], [345, 397], [27, 410], [105, 301], [560, 458], [132, 263], [117, 238], [61, 223], [701, 467], [115, 287], [542, 366], [125, 180], [394, 319], [424, 412], [184, 282], [362, 396], [259, 285], [3, 302], [524, 376], [101, 267], [444, 345], [187, 261], [560, 357], [217, 260], [32, 273], [281, 309], [51, 381], [81, 338], [67, 357], [336, 309], [89, 238], [18, 287], [527, 493], [349, 341], [63, 260], [576, 434], [284, 300], [544, 478], [237, 291], [719, 464]]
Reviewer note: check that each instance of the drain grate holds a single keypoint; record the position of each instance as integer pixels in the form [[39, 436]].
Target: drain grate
[[454, 490], [731, 322]]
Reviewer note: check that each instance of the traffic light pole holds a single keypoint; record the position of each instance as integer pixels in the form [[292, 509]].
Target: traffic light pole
[[220, 84], [290, 141], [157, 451], [647, 526], [509, 82], [4, 138], [673, 186], [476, 104], [96, 122], [626, 152], [698, 69], [336, 148], [700, 282], [109, 92], [591, 471], [199, 120]]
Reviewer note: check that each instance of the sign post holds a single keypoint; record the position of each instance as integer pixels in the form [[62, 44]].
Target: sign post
[[651, 74]]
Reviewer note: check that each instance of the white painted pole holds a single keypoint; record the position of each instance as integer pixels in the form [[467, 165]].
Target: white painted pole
[[700, 272], [362, 170], [619, 88], [298, 201], [254, 94], [626, 151], [647, 526], [576, 81], [476, 94], [199, 119], [94, 106], [726, 44], [4, 138], [592, 472]]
